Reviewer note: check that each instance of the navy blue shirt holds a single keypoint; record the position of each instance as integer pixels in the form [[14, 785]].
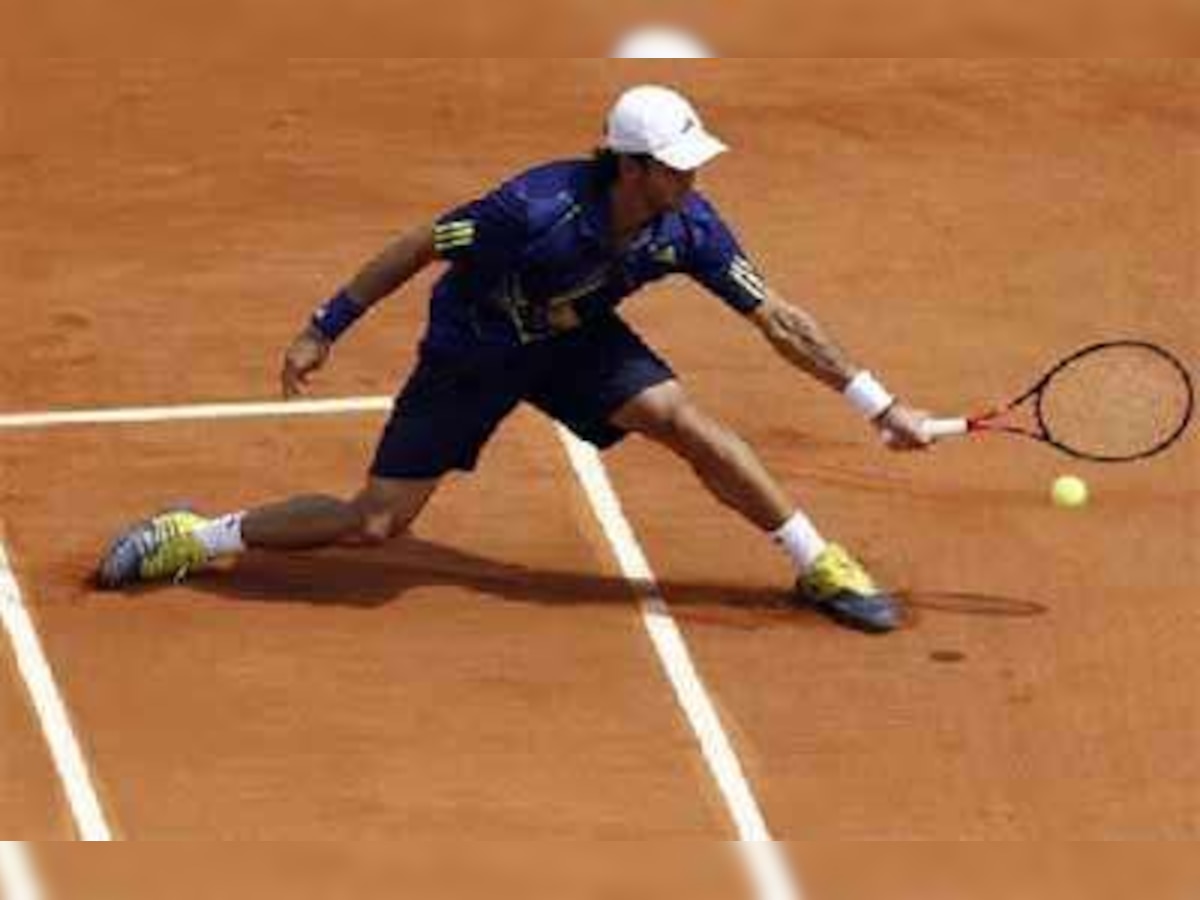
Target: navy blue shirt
[[535, 258]]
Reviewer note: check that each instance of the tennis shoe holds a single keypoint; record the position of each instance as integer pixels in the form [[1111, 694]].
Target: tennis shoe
[[839, 587], [160, 549]]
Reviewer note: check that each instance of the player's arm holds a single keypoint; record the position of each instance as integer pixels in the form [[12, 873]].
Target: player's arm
[[395, 266], [399, 263], [716, 260], [800, 339]]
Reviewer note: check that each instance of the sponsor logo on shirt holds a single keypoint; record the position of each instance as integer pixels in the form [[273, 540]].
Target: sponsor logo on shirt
[[667, 256]]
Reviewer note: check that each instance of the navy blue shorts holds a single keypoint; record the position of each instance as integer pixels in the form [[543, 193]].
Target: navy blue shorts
[[453, 402]]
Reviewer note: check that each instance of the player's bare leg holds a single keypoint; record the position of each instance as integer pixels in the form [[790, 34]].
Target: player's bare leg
[[725, 463], [176, 543], [384, 509], [829, 577]]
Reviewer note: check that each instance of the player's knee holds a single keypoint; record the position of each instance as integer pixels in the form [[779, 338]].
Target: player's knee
[[667, 416], [377, 530], [662, 414], [691, 432], [386, 510], [375, 520]]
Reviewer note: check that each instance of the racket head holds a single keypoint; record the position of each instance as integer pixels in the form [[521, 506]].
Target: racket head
[[1110, 402]]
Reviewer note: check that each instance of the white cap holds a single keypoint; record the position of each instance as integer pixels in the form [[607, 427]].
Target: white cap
[[661, 123]]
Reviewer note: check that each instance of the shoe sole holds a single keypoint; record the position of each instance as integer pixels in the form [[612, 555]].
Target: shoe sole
[[860, 623], [856, 623]]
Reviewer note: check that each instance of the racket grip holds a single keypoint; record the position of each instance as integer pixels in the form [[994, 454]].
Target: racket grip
[[937, 429]]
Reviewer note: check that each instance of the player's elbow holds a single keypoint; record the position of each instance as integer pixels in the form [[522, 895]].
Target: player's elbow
[[772, 321]]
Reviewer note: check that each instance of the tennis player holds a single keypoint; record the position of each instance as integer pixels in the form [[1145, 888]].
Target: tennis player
[[526, 312]]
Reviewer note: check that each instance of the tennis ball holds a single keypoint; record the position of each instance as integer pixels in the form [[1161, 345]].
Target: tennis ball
[[1071, 492]]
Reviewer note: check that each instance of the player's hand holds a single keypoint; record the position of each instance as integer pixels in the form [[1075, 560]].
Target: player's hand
[[307, 355], [903, 429]]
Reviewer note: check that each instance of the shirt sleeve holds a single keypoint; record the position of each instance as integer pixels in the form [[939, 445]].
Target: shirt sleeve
[[487, 231], [717, 261]]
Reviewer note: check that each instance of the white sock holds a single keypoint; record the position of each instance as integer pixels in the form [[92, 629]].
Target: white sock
[[223, 536], [800, 539]]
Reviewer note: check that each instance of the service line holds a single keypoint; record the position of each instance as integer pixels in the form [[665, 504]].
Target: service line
[[153, 415]]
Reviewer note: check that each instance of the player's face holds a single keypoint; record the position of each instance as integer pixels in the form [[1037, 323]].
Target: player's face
[[667, 188], [661, 188]]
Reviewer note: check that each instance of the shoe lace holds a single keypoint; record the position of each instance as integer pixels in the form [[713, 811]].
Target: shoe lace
[[844, 568], [166, 531], [840, 570]]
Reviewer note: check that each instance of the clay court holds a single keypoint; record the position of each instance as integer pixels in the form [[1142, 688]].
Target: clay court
[[957, 224]]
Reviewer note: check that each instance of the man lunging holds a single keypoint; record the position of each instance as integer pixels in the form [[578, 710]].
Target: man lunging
[[526, 313]]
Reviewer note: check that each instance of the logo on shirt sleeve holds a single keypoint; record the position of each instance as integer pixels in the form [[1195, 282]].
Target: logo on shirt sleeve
[[449, 236], [743, 272]]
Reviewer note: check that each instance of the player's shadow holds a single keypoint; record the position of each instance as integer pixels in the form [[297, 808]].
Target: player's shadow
[[369, 579]]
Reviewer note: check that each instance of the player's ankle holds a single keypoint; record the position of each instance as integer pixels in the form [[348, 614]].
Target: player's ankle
[[801, 541], [222, 536]]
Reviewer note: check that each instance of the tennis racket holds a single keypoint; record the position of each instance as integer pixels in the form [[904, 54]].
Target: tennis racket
[[1113, 402]]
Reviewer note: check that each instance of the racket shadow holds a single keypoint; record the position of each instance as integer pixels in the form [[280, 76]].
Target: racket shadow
[[375, 579], [969, 603]]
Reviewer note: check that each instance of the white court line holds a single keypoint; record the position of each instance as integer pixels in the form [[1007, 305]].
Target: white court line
[[194, 413], [17, 878], [51, 711], [773, 879]]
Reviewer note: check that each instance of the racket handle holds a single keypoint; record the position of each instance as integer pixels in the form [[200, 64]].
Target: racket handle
[[937, 429]]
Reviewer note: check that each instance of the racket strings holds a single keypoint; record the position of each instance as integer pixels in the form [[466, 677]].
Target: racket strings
[[1117, 402]]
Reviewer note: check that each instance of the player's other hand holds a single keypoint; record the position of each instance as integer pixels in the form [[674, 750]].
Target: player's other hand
[[307, 354], [903, 429]]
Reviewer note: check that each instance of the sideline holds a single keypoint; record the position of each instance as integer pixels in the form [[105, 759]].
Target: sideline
[[51, 712], [759, 851], [17, 878]]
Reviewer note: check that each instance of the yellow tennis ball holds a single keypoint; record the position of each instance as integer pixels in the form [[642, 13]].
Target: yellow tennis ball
[[1071, 492]]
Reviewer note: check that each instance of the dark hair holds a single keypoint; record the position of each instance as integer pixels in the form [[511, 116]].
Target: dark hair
[[608, 164]]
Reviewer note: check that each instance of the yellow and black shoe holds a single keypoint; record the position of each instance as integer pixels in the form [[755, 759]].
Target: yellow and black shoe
[[164, 548], [840, 587]]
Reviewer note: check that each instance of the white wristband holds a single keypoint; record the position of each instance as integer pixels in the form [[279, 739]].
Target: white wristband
[[868, 396]]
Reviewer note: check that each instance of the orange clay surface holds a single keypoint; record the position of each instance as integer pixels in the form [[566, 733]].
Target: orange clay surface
[[578, 870], [167, 226]]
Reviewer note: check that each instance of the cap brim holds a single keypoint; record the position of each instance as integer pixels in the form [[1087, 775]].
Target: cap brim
[[694, 151]]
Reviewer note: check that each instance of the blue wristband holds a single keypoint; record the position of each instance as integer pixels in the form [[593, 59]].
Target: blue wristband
[[335, 317]]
